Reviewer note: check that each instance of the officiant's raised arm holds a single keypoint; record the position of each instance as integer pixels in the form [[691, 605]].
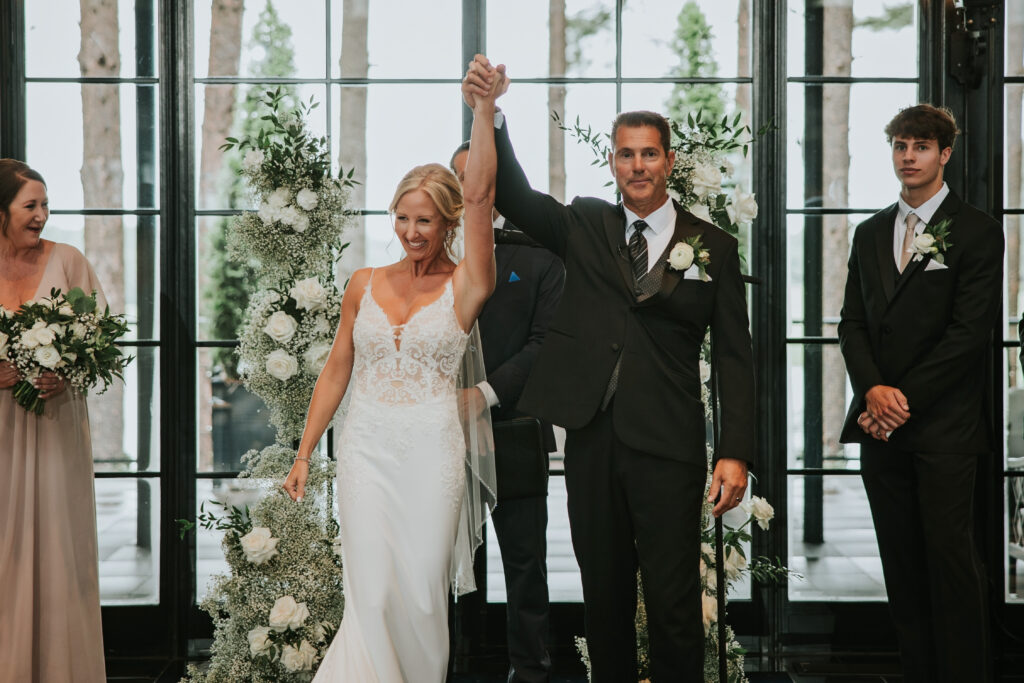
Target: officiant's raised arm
[[477, 282]]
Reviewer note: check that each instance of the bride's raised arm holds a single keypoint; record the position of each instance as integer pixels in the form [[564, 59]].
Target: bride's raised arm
[[476, 282]]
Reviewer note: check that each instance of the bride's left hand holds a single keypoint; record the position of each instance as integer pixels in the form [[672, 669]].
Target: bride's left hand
[[49, 385]]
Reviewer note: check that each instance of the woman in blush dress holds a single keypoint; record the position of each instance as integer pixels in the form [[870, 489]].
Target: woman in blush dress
[[403, 486], [49, 581]]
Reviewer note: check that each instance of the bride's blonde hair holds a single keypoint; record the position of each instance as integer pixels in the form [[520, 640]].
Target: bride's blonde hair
[[443, 188]]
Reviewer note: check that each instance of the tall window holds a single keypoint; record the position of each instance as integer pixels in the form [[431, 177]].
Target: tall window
[[91, 130]]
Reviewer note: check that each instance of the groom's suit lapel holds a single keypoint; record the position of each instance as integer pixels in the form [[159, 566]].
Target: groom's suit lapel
[[883, 250]]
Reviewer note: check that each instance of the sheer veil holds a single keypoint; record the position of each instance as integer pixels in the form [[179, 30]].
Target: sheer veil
[[481, 488]]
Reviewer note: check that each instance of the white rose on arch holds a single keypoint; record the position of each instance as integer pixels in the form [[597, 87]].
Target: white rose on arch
[[259, 641], [742, 208], [709, 610], [761, 510], [316, 357], [307, 199], [280, 327], [734, 562], [252, 160], [299, 658], [701, 211], [707, 179], [278, 199], [705, 371], [301, 223], [258, 545], [309, 294], [288, 215], [267, 213], [281, 365], [287, 614]]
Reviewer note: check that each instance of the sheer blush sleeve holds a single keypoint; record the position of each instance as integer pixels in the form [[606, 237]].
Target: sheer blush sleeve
[[79, 273]]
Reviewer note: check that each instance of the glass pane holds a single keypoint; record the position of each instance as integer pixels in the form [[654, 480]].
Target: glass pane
[[281, 39], [862, 38], [123, 252], [845, 161], [589, 38], [209, 554], [1013, 405], [832, 541], [231, 419], [125, 420], [817, 251], [128, 527], [1015, 544], [1013, 303], [222, 284], [397, 133], [226, 110], [819, 396], [704, 39], [1014, 141], [397, 39], [116, 174], [53, 38]]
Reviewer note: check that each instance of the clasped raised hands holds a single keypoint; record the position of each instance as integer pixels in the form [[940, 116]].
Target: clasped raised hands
[[484, 83]]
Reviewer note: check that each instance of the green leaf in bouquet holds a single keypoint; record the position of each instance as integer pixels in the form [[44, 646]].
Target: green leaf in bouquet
[[80, 301]]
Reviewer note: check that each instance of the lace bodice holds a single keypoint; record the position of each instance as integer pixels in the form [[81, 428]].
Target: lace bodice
[[416, 362]]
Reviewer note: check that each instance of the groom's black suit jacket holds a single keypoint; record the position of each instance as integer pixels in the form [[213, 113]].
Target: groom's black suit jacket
[[925, 332], [657, 406]]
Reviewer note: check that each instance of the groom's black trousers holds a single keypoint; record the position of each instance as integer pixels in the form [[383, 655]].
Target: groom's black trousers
[[922, 506], [630, 509]]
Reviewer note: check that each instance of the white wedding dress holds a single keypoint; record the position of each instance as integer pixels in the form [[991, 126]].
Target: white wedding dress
[[401, 486]]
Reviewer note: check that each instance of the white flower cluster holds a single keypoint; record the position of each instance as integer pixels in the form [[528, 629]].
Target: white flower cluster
[[284, 345], [698, 181]]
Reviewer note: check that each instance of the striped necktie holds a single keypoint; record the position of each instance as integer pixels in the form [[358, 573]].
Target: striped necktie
[[638, 250]]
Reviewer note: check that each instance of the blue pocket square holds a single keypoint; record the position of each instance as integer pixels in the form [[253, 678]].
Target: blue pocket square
[[513, 277]]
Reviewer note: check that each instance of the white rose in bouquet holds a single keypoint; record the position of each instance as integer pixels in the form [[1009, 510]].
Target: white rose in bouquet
[[743, 208], [268, 214], [309, 294], [66, 310], [281, 365], [316, 357], [79, 330], [762, 511], [259, 641], [258, 545], [47, 356], [280, 327], [701, 211], [299, 658], [287, 614], [37, 335], [253, 159], [707, 179], [681, 256], [307, 199], [4, 345], [288, 215], [278, 199]]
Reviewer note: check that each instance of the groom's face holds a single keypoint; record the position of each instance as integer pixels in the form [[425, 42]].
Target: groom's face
[[641, 166]]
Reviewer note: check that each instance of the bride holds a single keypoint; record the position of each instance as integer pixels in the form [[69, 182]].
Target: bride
[[405, 507]]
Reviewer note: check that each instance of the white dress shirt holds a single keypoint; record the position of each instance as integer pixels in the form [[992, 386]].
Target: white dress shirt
[[661, 226], [924, 215]]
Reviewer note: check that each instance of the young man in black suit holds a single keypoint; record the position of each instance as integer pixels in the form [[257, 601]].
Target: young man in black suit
[[619, 370], [922, 300], [512, 326]]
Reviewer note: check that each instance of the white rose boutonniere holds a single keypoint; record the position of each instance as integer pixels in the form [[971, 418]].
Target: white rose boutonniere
[[689, 252], [280, 327], [281, 365], [934, 242], [258, 545], [287, 614]]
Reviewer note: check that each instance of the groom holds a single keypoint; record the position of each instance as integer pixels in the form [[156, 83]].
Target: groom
[[619, 370], [922, 300]]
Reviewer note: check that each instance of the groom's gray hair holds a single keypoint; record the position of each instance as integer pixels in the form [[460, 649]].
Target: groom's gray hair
[[635, 119]]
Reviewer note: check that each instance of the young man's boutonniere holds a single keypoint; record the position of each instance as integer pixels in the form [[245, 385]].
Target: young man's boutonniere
[[934, 241], [684, 254]]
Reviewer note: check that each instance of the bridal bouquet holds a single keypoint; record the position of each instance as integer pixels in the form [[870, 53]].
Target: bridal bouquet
[[66, 335]]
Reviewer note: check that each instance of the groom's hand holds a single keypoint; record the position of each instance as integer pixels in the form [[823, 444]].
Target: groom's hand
[[887, 406], [730, 480], [478, 81]]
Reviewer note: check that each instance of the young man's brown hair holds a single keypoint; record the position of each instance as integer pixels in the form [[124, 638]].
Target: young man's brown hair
[[925, 122]]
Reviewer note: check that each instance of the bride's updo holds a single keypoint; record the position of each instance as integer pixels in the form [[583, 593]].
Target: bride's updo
[[444, 190]]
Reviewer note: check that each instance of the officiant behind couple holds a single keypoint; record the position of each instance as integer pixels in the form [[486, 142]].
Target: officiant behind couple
[[413, 486]]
